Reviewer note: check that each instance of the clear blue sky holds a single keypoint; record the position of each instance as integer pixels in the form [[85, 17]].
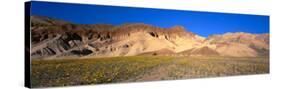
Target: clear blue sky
[[201, 23]]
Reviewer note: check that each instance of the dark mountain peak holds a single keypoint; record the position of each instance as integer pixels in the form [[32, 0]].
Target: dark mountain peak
[[43, 20], [178, 28], [135, 25]]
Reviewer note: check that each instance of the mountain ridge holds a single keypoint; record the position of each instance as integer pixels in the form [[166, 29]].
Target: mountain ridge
[[53, 38]]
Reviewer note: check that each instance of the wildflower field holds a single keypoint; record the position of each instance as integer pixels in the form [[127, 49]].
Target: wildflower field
[[65, 72]]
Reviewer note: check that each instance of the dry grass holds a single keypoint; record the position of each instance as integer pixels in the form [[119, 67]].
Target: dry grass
[[90, 71], [217, 66], [46, 73]]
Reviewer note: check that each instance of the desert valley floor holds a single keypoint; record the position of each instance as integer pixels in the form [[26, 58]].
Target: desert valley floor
[[140, 68]]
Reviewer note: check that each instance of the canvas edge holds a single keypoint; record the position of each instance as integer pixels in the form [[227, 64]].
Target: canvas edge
[[27, 66]]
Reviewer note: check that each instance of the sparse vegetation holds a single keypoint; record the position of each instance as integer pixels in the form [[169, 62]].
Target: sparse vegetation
[[218, 66], [139, 68], [91, 71]]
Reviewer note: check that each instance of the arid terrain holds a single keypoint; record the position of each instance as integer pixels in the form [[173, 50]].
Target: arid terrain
[[65, 53], [52, 39], [46, 73]]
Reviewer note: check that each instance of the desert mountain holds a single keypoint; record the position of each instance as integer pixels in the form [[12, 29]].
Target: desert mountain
[[53, 38], [240, 44]]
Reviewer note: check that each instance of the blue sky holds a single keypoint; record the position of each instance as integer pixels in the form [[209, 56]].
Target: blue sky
[[201, 23]]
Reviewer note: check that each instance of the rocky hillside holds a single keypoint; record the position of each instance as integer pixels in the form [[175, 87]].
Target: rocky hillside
[[240, 44], [53, 38]]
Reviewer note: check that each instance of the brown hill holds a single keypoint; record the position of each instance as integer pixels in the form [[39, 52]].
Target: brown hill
[[52, 38], [240, 44], [67, 39]]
